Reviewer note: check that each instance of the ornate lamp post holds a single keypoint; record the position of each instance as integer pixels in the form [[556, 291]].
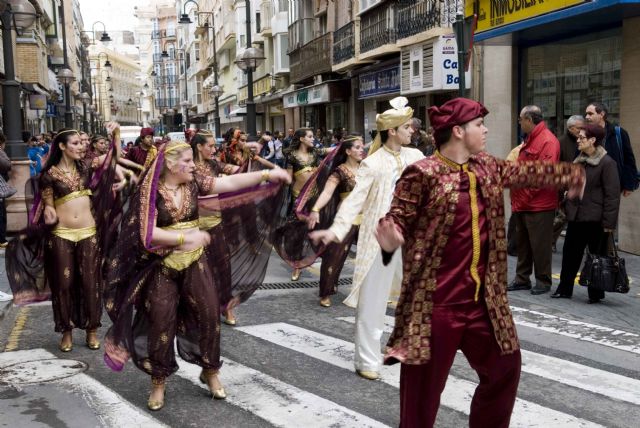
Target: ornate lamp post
[[85, 98], [19, 15], [66, 77], [248, 60]]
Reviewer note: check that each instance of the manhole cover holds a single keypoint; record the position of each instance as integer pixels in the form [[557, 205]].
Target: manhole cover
[[39, 371]]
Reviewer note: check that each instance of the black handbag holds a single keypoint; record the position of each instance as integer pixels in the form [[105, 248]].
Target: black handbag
[[606, 273]]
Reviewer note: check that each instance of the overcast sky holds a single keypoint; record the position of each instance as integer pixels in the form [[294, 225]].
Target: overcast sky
[[116, 14]]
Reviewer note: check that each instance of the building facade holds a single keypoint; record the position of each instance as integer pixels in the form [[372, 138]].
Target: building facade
[[561, 56]]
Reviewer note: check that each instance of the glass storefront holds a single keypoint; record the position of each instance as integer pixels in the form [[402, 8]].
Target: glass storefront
[[563, 76]]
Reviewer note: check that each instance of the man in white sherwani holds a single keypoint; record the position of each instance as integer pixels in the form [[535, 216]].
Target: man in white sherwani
[[375, 183]]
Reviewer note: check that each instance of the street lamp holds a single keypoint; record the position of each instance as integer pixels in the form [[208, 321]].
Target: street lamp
[[165, 54], [19, 14], [107, 63], [248, 60], [66, 77], [85, 98]]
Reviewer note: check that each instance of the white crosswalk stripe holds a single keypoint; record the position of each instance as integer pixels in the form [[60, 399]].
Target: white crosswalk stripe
[[457, 394], [569, 373], [277, 402], [282, 403]]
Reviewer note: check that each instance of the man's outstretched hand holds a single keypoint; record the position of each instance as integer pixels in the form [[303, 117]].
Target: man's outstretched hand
[[325, 236], [388, 235]]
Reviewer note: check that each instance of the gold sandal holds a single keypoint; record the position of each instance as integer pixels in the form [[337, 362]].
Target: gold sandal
[[218, 394], [156, 405], [91, 340]]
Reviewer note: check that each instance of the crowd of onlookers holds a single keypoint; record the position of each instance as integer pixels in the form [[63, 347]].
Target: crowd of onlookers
[[539, 215]]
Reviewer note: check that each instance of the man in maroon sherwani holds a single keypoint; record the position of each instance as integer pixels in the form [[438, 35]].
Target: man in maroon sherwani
[[146, 152], [448, 214]]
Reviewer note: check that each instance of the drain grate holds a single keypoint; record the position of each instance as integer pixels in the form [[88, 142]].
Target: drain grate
[[298, 284]]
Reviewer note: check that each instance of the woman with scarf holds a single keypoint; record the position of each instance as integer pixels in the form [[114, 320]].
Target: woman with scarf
[[301, 159], [339, 184], [160, 282], [592, 219], [67, 227]]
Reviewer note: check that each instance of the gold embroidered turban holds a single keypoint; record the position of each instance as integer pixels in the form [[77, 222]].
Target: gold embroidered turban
[[391, 118]]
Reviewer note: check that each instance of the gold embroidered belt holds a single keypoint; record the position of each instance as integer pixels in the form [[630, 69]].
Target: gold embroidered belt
[[72, 195], [210, 221], [74, 235], [180, 260], [183, 225], [303, 170]]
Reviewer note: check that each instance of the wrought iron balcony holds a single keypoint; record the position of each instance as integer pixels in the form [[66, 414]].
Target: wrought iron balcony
[[422, 15], [377, 28], [311, 59], [344, 46]]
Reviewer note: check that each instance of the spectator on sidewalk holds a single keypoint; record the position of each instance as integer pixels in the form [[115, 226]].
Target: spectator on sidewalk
[[568, 152], [618, 146], [594, 217], [535, 208]]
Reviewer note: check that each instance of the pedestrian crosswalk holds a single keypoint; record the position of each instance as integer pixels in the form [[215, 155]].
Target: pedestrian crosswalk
[[285, 401]]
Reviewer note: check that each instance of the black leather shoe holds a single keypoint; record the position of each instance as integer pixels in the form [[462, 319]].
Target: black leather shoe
[[592, 301], [515, 286], [557, 295], [540, 290]]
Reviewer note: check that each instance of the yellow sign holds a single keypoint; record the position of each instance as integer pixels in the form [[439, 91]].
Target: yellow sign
[[497, 13]]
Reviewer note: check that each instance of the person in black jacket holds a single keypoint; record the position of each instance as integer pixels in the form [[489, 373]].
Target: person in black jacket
[[594, 216], [618, 147]]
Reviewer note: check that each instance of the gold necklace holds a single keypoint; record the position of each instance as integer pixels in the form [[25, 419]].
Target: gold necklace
[[174, 190]]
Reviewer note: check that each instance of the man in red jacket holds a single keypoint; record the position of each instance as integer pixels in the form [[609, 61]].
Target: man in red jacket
[[534, 209]]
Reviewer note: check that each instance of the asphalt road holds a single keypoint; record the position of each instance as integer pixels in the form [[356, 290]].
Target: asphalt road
[[288, 363]]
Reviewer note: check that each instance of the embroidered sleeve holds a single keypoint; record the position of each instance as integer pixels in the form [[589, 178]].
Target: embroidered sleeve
[[407, 199], [540, 174], [205, 183]]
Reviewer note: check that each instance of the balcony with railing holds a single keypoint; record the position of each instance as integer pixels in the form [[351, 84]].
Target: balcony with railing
[[167, 102], [344, 43], [311, 59], [163, 34], [423, 15], [378, 29]]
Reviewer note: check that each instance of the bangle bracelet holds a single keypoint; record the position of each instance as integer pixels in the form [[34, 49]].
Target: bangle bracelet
[[265, 175], [315, 210], [180, 239]]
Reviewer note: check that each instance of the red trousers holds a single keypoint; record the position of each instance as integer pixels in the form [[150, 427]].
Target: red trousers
[[468, 328]]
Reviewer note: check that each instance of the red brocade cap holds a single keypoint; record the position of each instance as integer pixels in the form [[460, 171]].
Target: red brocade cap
[[146, 131], [457, 111]]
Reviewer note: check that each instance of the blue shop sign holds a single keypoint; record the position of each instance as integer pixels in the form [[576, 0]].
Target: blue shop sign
[[385, 81], [52, 110]]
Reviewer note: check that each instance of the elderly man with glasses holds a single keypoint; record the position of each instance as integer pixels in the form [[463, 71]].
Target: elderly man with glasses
[[534, 209]]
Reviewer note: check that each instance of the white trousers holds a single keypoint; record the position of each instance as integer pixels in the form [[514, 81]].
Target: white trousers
[[371, 311]]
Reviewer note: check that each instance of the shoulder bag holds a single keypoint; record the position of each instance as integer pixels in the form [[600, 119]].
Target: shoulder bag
[[606, 273]]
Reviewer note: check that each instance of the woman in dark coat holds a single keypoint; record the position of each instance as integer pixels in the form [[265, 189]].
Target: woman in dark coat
[[593, 218]]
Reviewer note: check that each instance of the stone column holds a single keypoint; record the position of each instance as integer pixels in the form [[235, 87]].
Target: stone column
[[16, 206], [629, 219]]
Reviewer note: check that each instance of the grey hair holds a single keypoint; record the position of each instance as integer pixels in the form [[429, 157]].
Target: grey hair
[[533, 112], [574, 120], [416, 122]]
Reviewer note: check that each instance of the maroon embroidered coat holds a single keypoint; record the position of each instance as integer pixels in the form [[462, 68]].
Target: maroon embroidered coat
[[424, 207]]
